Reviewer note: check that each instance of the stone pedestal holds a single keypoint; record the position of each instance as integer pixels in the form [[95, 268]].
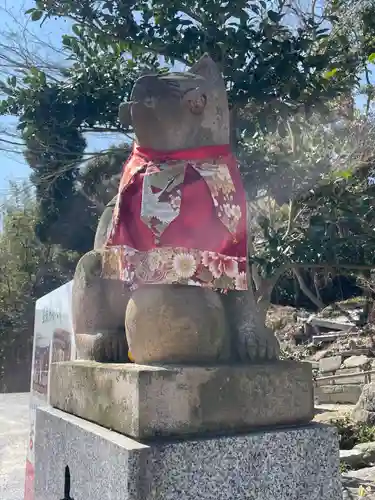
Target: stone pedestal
[[300, 463], [147, 401]]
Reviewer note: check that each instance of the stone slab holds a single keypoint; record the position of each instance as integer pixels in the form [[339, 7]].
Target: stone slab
[[146, 401], [343, 394], [319, 339], [357, 362], [330, 364], [333, 325], [300, 463], [344, 376]]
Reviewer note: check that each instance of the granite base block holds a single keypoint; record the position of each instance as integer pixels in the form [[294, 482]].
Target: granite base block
[[147, 401], [300, 463]]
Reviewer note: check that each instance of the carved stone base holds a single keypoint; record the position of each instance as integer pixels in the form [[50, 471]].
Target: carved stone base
[[286, 464], [147, 401]]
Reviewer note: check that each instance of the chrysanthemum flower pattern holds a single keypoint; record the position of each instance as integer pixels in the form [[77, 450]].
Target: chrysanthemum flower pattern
[[175, 266]]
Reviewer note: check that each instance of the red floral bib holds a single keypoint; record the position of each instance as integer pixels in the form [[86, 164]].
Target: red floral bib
[[180, 218]]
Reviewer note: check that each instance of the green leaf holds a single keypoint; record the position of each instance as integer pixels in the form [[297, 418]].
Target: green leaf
[[13, 81], [371, 58], [330, 74], [36, 15], [67, 41], [76, 29], [274, 16]]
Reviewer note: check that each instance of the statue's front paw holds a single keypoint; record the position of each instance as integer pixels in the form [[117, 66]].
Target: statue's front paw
[[110, 348], [259, 345]]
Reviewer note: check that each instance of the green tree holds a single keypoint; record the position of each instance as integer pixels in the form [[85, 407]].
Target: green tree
[[99, 177], [29, 270], [284, 85], [272, 70]]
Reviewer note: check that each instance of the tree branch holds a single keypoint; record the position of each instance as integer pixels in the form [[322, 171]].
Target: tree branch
[[305, 289], [162, 51], [253, 268]]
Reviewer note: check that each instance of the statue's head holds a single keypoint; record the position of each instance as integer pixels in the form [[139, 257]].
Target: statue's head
[[179, 110]]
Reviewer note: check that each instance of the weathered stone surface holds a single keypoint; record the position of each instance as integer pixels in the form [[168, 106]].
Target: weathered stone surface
[[287, 464], [144, 401], [363, 416], [352, 458], [357, 362], [357, 480], [98, 308], [346, 394], [357, 351], [179, 324], [368, 450], [325, 338], [327, 323], [364, 410], [330, 364], [344, 376]]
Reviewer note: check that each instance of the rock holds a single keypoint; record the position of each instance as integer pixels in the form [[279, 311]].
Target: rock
[[364, 411], [363, 416], [330, 364], [368, 450], [352, 458], [357, 352], [357, 361], [319, 355], [367, 399], [355, 481], [366, 474]]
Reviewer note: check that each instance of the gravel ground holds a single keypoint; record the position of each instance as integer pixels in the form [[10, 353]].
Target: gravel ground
[[14, 430]]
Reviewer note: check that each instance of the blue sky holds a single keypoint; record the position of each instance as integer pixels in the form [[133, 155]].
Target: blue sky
[[12, 18]]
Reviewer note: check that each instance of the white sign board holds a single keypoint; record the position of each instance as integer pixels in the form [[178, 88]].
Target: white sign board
[[53, 341]]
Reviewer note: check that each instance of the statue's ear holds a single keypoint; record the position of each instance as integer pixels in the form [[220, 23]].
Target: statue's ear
[[124, 114], [207, 68]]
